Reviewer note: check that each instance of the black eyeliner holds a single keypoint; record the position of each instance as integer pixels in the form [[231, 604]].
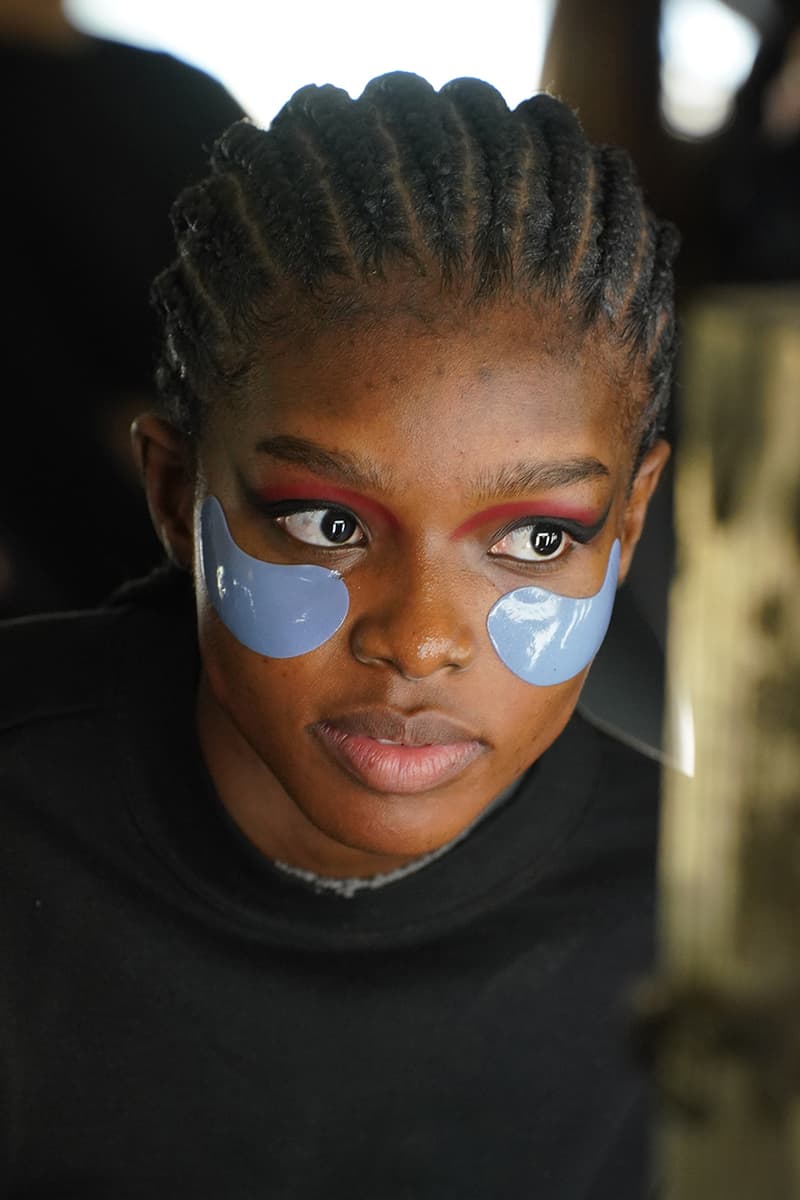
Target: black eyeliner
[[297, 504], [576, 529]]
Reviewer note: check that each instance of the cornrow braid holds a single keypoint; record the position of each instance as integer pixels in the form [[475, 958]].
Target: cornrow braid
[[497, 176], [303, 220], [432, 159], [660, 337], [293, 232], [348, 151], [567, 177]]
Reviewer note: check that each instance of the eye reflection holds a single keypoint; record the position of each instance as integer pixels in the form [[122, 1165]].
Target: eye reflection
[[539, 542], [323, 527]]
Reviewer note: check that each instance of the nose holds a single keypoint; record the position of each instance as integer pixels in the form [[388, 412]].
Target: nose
[[414, 625]]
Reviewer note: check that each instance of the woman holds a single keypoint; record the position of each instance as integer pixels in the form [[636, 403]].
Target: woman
[[320, 886]]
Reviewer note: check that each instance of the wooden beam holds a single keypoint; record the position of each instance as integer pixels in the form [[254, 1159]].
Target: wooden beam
[[719, 1023]]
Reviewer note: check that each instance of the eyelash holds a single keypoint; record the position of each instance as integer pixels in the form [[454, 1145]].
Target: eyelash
[[533, 525], [287, 508], [579, 534]]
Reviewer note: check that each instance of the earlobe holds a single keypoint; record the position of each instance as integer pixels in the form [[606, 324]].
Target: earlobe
[[163, 460], [644, 485]]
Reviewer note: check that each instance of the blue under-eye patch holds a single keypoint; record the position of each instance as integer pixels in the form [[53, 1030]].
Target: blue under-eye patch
[[274, 609], [283, 611], [545, 638]]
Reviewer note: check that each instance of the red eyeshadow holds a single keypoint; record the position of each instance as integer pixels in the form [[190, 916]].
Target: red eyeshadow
[[328, 493], [526, 508]]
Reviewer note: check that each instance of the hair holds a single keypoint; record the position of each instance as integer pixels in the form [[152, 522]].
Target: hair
[[304, 220]]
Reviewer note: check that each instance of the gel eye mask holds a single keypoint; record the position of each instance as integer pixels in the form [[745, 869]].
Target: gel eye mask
[[277, 610], [544, 638], [282, 611]]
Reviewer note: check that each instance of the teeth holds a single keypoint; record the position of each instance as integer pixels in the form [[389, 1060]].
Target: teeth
[[388, 742]]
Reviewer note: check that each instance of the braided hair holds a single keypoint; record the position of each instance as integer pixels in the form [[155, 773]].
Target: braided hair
[[311, 215]]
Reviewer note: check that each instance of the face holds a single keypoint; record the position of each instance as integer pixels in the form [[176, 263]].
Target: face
[[434, 471]]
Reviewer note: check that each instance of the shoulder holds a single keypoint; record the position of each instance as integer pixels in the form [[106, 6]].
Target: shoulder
[[83, 707], [624, 758], [625, 791], [62, 664], [594, 749], [55, 664]]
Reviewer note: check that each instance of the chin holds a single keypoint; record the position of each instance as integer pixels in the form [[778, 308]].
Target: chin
[[397, 828]]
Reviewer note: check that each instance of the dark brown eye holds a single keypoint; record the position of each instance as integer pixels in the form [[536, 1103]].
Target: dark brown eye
[[323, 527], [546, 542], [532, 543], [338, 527]]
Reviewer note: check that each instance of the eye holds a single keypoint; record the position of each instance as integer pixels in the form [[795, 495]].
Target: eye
[[537, 542], [323, 527]]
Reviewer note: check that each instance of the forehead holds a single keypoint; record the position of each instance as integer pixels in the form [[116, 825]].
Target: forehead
[[410, 394]]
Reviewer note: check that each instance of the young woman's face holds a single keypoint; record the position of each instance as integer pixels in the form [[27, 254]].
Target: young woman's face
[[421, 459]]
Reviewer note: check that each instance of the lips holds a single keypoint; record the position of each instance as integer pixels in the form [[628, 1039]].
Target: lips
[[399, 755]]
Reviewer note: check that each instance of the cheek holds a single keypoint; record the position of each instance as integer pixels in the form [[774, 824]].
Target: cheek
[[533, 717], [262, 695]]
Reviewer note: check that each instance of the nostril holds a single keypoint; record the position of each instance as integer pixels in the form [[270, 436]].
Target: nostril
[[383, 642], [437, 652]]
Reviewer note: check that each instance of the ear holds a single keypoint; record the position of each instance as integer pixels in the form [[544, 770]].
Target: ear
[[163, 459], [644, 485]]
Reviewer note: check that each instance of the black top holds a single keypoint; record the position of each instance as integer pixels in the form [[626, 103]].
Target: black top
[[179, 1018]]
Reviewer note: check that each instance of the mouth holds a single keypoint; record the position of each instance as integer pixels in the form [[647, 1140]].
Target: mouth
[[399, 755]]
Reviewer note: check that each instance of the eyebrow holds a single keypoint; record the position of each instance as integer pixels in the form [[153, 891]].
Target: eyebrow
[[520, 478], [517, 479], [346, 467], [512, 479]]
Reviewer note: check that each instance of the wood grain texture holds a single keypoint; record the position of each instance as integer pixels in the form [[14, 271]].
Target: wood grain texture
[[721, 1019]]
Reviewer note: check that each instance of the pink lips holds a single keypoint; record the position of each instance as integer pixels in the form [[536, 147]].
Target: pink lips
[[399, 755]]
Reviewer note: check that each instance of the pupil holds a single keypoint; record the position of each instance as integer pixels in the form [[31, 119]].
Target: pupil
[[546, 541], [338, 527]]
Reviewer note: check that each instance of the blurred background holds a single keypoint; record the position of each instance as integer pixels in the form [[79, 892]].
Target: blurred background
[[707, 46], [111, 108]]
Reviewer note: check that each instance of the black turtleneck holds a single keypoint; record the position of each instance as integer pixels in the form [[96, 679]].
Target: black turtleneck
[[180, 1018]]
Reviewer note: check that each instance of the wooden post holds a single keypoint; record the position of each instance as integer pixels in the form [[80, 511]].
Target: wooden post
[[604, 60], [719, 1024]]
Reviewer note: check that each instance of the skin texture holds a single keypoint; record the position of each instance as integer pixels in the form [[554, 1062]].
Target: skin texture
[[429, 414]]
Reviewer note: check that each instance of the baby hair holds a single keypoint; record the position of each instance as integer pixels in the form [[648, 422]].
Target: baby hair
[[301, 221]]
